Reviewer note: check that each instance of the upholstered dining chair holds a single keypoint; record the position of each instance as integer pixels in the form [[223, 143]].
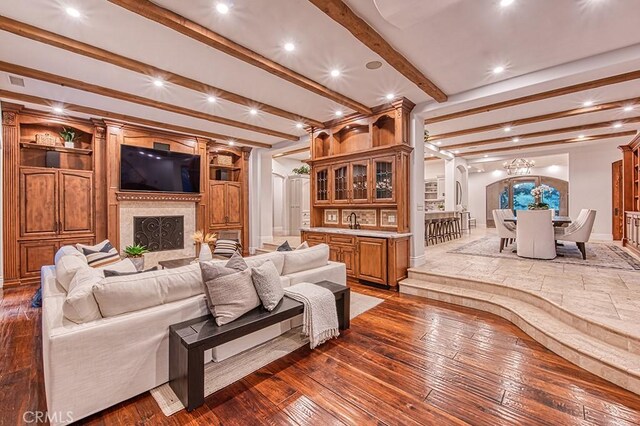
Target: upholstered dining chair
[[504, 232], [579, 231], [536, 239]]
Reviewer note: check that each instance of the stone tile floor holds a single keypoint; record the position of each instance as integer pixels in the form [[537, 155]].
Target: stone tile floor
[[606, 296]]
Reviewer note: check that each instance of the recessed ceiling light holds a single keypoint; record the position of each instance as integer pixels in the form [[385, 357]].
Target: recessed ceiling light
[[438, 142], [587, 103], [505, 3], [222, 8], [232, 143], [73, 12], [628, 108], [498, 70], [617, 125], [580, 136], [211, 99], [373, 65], [507, 129], [486, 156], [289, 47], [335, 73], [456, 152], [390, 96], [299, 125], [338, 113], [58, 110], [516, 139], [158, 83], [253, 111]]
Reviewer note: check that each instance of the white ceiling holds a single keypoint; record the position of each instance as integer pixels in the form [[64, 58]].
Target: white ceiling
[[454, 42]]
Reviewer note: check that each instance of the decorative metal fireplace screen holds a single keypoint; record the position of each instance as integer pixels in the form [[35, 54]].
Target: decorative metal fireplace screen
[[159, 233]]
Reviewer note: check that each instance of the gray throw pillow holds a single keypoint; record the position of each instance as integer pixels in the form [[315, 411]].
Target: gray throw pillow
[[267, 283], [284, 247], [235, 264], [231, 295]]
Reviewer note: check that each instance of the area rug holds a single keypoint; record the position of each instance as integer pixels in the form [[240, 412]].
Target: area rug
[[218, 375], [599, 255]]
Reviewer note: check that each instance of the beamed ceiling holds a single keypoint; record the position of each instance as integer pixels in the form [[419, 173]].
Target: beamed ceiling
[[440, 55]]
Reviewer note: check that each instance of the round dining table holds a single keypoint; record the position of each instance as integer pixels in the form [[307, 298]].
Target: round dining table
[[557, 220]]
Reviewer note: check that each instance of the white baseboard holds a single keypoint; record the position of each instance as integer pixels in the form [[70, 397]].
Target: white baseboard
[[417, 260], [601, 237]]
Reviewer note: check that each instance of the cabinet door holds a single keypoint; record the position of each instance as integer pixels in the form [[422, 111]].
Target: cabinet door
[[340, 176], [217, 204], [234, 204], [372, 259], [349, 257], [384, 179], [38, 203], [334, 254], [321, 176], [75, 196], [360, 182], [34, 255]]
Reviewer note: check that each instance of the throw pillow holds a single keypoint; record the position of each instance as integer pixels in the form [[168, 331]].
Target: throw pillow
[[303, 260], [80, 305], [111, 273], [231, 295], [226, 248], [216, 270], [284, 247], [303, 246], [67, 267], [267, 283], [101, 254]]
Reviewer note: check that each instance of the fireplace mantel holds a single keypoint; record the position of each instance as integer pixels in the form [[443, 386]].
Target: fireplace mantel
[[157, 196]]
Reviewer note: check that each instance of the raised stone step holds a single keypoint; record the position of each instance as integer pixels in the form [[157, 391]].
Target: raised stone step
[[611, 360]]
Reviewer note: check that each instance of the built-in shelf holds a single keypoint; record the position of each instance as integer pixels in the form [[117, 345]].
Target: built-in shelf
[[221, 166], [80, 151]]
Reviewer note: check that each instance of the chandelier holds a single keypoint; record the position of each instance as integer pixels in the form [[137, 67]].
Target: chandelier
[[519, 166]]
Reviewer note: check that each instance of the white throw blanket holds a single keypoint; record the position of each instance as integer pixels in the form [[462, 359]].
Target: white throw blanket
[[320, 314]]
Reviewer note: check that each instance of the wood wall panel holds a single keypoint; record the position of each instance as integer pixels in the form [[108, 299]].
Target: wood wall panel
[[38, 206], [10, 158], [75, 194]]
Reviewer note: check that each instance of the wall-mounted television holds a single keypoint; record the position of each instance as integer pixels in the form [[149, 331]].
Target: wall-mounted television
[[145, 169]]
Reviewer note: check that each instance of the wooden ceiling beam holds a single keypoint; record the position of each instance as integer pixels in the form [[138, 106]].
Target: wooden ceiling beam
[[292, 152], [343, 15], [549, 143], [116, 94], [126, 118], [580, 87], [537, 119], [591, 126], [212, 39], [80, 48]]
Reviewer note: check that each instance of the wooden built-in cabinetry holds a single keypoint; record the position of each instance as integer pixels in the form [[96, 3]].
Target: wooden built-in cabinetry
[[631, 194]]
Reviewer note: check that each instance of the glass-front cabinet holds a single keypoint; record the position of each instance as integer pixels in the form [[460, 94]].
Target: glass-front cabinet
[[341, 184], [384, 179], [322, 192], [359, 179]]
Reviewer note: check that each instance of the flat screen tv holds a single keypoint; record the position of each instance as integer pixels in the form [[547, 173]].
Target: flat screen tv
[[145, 169]]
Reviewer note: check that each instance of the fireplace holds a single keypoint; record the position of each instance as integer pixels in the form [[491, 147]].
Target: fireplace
[[159, 233]]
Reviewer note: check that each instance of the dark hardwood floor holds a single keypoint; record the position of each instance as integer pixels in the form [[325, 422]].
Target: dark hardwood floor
[[408, 361]]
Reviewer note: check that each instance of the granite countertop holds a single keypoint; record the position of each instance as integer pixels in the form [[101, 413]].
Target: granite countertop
[[359, 232]]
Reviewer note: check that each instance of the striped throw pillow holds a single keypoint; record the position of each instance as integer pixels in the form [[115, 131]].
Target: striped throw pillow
[[101, 255], [226, 248]]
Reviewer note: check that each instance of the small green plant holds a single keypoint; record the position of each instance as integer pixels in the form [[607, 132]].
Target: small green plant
[[69, 135], [135, 250], [302, 170]]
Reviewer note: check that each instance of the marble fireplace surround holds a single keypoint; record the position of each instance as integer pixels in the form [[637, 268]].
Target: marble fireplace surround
[[130, 209]]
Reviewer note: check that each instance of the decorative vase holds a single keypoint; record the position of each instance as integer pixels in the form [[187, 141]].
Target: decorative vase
[[205, 252], [138, 262], [69, 144]]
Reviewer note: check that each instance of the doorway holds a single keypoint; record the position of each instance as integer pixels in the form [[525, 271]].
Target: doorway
[[617, 214]]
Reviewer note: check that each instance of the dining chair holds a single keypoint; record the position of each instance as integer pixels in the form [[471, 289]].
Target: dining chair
[[535, 237], [579, 231], [504, 232]]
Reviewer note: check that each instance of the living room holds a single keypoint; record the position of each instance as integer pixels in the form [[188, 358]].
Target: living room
[[333, 211]]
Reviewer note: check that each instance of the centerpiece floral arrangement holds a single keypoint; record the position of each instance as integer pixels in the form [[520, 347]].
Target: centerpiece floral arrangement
[[538, 193], [204, 240]]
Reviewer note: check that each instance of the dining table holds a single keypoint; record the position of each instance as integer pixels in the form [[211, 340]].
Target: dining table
[[557, 220]]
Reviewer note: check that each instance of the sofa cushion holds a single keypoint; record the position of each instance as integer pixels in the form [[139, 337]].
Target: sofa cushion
[[66, 251], [124, 266], [67, 266], [231, 295], [266, 280], [303, 246], [118, 295], [276, 257], [300, 260], [80, 305]]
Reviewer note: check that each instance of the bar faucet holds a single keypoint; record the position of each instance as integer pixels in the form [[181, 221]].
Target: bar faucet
[[353, 224]]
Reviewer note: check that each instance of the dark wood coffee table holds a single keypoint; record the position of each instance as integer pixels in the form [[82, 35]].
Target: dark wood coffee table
[[178, 263]]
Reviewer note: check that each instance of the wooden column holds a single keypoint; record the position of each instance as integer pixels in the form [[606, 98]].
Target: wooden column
[[246, 152], [100, 179], [202, 211], [10, 195], [112, 172]]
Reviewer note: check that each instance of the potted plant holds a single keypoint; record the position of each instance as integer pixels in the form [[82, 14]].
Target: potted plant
[[69, 136], [302, 170], [538, 193], [199, 237], [136, 253]]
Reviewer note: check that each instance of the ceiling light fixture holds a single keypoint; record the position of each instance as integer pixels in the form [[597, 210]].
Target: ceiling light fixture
[[456, 152], [299, 125], [438, 142], [158, 83], [335, 72], [390, 96], [486, 156], [516, 139], [58, 110], [289, 47], [587, 103], [253, 111], [373, 65], [338, 113], [505, 3], [617, 125], [73, 12], [580, 136], [518, 166], [628, 108], [498, 70], [231, 143], [507, 129], [222, 8], [211, 99]]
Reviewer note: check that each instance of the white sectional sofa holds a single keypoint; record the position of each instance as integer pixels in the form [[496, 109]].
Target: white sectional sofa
[[93, 365]]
